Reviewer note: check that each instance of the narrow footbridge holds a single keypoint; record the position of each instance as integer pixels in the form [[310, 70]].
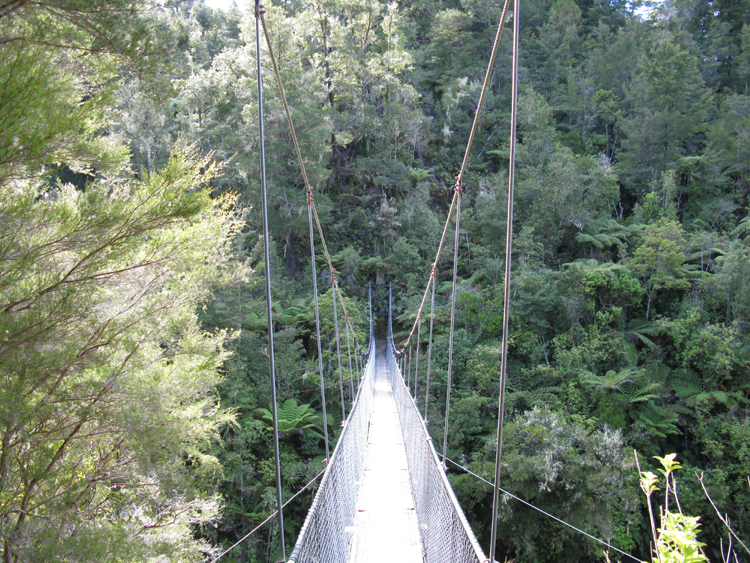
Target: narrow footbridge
[[384, 496]]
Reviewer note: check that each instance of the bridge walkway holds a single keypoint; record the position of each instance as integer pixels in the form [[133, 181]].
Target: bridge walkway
[[385, 525]]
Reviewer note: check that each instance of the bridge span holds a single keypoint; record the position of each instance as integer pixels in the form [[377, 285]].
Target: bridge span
[[384, 496]]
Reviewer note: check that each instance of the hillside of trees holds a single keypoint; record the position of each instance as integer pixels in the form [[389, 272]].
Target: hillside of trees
[[133, 337]]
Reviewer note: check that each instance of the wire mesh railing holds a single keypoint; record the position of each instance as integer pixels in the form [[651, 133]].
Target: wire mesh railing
[[326, 535], [446, 534]]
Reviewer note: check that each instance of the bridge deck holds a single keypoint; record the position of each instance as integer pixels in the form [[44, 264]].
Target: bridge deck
[[386, 527]]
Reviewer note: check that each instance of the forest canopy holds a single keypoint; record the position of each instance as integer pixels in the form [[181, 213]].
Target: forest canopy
[[133, 344]]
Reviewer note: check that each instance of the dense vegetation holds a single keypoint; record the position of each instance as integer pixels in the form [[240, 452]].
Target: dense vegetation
[[126, 424]]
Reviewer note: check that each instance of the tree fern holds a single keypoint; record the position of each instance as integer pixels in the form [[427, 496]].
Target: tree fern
[[527, 389], [611, 381], [743, 228], [641, 393], [655, 420], [643, 331], [292, 418]]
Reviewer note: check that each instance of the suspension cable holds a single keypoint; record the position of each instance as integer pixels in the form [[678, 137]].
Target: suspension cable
[[397, 351], [271, 517], [269, 301], [500, 26], [555, 518], [283, 99], [298, 152], [429, 349], [311, 202], [506, 293], [338, 348], [453, 323], [464, 163], [407, 360], [317, 318], [416, 370], [349, 351]]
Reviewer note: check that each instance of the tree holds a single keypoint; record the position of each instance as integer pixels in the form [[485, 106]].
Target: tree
[[106, 407], [293, 419], [729, 284], [555, 463], [60, 62], [659, 260], [670, 104]]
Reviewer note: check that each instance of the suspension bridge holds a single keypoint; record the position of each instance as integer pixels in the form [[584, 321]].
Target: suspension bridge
[[384, 495]]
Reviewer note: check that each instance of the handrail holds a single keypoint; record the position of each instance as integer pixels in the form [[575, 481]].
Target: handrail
[[327, 532], [446, 534]]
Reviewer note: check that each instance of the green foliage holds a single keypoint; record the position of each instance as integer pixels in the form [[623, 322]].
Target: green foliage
[[671, 103], [61, 65], [99, 290], [658, 261], [630, 253], [292, 418], [675, 540], [563, 467]]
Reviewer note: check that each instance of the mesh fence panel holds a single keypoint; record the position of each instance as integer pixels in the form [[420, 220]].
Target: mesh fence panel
[[446, 535], [326, 534]]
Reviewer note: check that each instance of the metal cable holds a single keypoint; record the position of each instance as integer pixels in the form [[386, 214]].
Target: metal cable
[[349, 351], [445, 532], [298, 152], [416, 370], [464, 163], [506, 293], [400, 350], [326, 533], [330, 262], [270, 517], [500, 26], [283, 99], [429, 350], [338, 348], [317, 324], [555, 518], [407, 359], [453, 323], [269, 301]]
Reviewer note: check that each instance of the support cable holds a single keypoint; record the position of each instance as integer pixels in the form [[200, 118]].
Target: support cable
[[310, 204], [429, 349], [297, 149], [313, 213], [506, 294], [357, 362], [271, 517], [338, 348], [398, 351], [329, 261], [317, 319], [372, 329], [488, 74], [269, 301], [464, 164], [407, 359], [453, 323], [349, 351], [283, 99], [416, 370], [555, 518]]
